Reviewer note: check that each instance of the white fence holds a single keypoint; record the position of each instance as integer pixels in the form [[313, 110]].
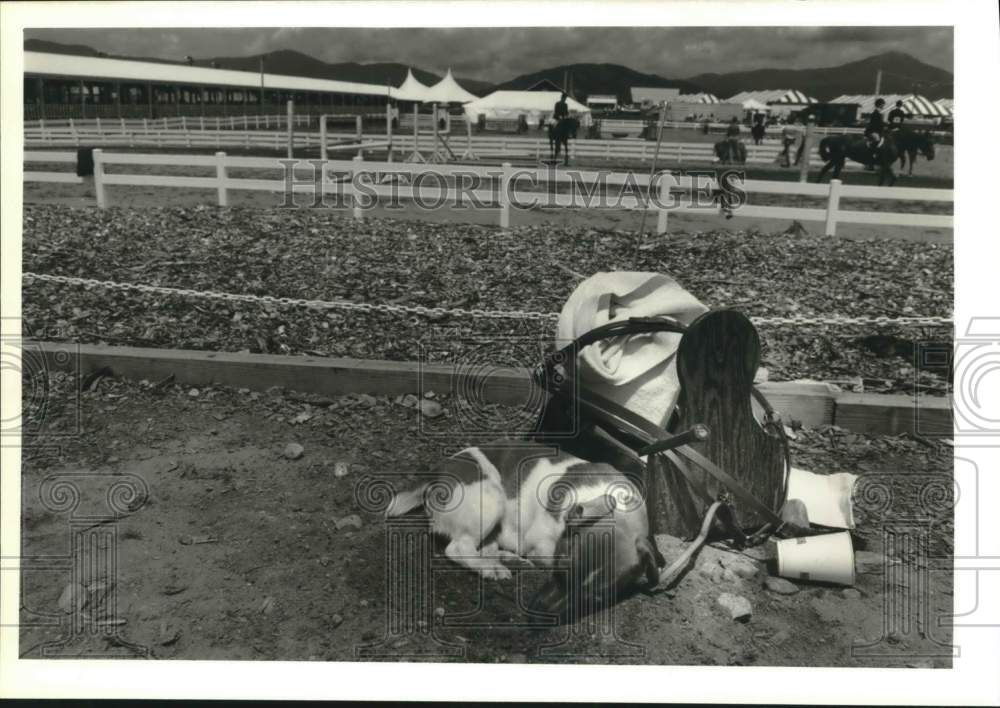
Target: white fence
[[143, 133], [770, 130], [508, 180]]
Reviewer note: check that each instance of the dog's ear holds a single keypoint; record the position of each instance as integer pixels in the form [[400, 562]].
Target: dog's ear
[[650, 560], [592, 510]]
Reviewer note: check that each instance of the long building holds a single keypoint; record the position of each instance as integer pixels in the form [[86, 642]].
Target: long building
[[69, 86]]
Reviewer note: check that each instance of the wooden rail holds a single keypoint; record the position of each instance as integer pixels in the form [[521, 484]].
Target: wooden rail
[[810, 404]]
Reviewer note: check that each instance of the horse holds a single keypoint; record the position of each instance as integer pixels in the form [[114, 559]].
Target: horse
[[731, 150], [909, 142], [835, 150], [560, 134]]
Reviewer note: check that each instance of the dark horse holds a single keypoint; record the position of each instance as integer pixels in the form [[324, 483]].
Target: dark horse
[[835, 150], [731, 150], [909, 142], [560, 135]]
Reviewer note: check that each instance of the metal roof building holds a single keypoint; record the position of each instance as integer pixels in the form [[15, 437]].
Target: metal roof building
[[64, 85], [642, 94], [66, 65]]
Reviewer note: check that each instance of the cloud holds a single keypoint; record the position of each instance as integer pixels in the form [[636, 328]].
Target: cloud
[[499, 53]]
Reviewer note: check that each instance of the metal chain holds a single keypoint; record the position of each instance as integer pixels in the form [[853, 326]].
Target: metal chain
[[797, 321], [290, 301]]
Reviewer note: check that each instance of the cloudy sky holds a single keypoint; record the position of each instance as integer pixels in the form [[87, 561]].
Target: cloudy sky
[[497, 54]]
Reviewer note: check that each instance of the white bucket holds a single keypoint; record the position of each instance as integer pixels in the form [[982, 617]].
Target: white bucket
[[828, 558], [827, 496]]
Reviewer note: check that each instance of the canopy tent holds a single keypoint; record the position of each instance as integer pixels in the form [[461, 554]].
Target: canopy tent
[[411, 89], [773, 96], [913, 104], [947, 105], [923, 107], [447, 90], [754, 105], [534, 105], [698, 98]]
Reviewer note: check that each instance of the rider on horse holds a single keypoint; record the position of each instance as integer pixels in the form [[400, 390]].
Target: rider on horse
[[896, 117], [561, 110], [875, 131]]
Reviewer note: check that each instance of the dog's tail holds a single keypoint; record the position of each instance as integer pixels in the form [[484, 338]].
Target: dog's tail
[[406, 501]]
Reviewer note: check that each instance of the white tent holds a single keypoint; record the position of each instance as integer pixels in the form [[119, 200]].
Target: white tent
[[534, 105], [913, 104], [698, 98], [447, 90], [411, 89], [773, 96], [754, 105]]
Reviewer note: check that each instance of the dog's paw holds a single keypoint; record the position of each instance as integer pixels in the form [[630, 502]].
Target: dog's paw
[[499, 572]]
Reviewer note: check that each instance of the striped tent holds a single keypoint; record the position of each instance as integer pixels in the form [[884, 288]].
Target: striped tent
[[947, 105], [774, 96], [912, 103], [923, 107], [698, 98]]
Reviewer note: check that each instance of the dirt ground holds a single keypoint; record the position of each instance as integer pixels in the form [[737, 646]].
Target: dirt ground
[[227, 549], [195, 536]]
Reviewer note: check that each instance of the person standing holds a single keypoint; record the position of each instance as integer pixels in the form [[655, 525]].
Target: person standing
[[758, 130], [790, 136]]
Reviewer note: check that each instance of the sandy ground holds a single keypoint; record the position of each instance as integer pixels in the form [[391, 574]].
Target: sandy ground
[[232, 551]]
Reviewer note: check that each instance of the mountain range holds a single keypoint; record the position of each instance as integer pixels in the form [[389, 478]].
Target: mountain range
[[901, 73]]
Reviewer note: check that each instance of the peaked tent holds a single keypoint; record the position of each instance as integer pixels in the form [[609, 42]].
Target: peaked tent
[[913, 104], [447, 90], [923, 107], [698, 98], [411, 89], [534, 105], [947, 105], [773, 96]]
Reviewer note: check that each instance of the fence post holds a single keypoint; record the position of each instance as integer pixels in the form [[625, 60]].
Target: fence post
[[76, 137], [99, 178], [97, 122], [201, 123], [322, 137], [290, 108], [220, 178], [505, 183], [832, 205], [666, 182], [388, 129], [354, 193], [806, 153], [122, 121], [358, 127]]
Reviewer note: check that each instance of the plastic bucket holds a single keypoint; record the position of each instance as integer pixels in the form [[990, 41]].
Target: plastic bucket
[[827, 496], [828, 558]]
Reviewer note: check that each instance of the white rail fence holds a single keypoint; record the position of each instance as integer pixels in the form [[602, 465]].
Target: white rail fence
[[464, 147], [508, 180]]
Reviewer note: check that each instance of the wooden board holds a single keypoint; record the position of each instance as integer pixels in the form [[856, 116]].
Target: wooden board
[[877, 414], [810, 403]]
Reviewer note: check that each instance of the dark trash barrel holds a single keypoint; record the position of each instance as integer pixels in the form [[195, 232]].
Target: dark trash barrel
[[85, 162]]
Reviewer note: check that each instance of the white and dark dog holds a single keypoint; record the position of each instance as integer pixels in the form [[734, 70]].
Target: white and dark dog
[[529, 502]]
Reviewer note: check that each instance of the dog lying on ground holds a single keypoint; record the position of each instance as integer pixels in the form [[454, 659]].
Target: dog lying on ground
[[528, 502]]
